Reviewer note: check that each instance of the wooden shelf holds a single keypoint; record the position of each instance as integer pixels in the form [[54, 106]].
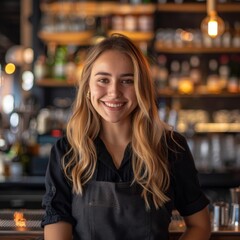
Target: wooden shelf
[[79, 8], [197, 7], [134, 9], [78, 38], [85, 38], [97, 8], [136, 36], [217, 127], [170, 93], [203, 128], [103, 8], [181, 50]]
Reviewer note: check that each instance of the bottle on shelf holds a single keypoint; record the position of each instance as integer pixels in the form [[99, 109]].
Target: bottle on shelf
[[130, 22], [140, 1], [117, 22], [226, 37], [145, 22], [51, 49], [213, 80], [20, 159], [60, 61], [162, 72], [224, 71], [102, 26], [233, 85], [135, 1], [39, 68], [70, 69], [162, 1], [236, 36], [185, 84], [47, 22], [195, 71], [174, 113], [61, 22], [174, 75], [79, 60]]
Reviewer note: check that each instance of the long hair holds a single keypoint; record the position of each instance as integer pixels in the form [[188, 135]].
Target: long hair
[[148, 143]]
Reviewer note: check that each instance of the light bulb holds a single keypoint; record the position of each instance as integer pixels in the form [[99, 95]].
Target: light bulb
[[212, 25]]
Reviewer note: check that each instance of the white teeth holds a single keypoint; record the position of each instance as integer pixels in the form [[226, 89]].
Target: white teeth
[[114, 105]]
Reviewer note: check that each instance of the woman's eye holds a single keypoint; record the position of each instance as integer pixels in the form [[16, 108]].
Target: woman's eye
[[103, 80], [127, 81]]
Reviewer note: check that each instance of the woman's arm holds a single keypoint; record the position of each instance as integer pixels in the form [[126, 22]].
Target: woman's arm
[[58, 231], [198, 226]]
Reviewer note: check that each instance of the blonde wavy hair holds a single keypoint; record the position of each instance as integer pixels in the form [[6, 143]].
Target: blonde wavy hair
[[149, 145]]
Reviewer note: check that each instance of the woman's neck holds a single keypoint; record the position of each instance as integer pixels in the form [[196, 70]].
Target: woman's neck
[[116, 137], [117, 134]]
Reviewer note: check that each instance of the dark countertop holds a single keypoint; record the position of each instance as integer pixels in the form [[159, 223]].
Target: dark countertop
[[34, 179], [22, 192], [12, 235], [23, 181], [35, 232]]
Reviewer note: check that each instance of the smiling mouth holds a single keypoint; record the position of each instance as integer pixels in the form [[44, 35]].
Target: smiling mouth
[[113, 105]]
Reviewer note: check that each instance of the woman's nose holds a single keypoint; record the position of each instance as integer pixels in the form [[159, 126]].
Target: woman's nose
[[114, 90]]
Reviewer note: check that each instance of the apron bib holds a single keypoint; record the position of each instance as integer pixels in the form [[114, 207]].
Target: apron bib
[[116, 211]]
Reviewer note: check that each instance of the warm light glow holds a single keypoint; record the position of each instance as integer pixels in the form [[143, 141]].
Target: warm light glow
[[1, 76], [15, 55], [186, 36], [27, 80], [185, 86], [2, 142], [14, 119], [212, 28], [19, 219], [212, 25], [28, 55], [19, 55], [10, 68], [8, 104]]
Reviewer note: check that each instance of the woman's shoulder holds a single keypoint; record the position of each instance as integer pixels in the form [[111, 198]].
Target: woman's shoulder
[[62, 141], [61, 145], [175, 140], [179, 153]]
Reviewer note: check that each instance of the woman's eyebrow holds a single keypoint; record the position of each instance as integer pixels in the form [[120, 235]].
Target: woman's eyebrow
[[127, 75], [108, 74], [102, 73]]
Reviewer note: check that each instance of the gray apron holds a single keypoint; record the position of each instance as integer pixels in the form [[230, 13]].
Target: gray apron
[[116, 211]]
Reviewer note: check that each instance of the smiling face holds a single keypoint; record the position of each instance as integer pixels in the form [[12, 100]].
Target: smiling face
[[111, 86]]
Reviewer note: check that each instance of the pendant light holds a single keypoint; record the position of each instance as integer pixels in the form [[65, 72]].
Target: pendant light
[[212, 24]]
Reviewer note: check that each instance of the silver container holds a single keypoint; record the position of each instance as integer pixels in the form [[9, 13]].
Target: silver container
[[220, 215], [235, 195], [235, 217]]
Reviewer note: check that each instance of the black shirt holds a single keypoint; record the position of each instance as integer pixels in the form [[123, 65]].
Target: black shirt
[[186, 194]]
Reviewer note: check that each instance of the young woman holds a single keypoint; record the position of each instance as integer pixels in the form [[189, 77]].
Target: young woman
[[120, 170]]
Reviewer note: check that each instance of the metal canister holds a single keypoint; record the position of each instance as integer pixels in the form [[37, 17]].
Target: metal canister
[[235, 195], [234, 223], [220, 215]]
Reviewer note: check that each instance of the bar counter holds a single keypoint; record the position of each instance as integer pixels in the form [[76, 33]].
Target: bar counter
[[31, 235], [216, 235], [26, 192]]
